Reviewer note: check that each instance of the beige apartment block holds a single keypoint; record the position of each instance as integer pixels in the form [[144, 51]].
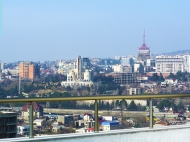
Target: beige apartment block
[[28, 70]]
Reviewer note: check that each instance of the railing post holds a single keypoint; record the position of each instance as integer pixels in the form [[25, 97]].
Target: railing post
[[151, 114], [96, 117], [31, 120]]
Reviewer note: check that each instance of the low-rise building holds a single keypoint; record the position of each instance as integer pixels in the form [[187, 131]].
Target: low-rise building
[[79, 123], [39, 122], [108, 118], [87, 117], [89, 124], [134, 91], [84, 130], [112, 125], [37, 111], [65, 119], [23, 130], [57, 127]]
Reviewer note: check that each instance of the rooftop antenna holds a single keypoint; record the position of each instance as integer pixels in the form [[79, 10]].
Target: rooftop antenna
[[144, 37], [19, 84]]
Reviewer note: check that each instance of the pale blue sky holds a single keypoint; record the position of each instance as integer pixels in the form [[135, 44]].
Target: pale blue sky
[[39, 30]]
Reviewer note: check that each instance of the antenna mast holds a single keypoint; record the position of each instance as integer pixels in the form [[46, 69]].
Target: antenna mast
[[19, 84], [144, 37]]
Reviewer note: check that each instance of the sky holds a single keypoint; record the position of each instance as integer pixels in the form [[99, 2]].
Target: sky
[[41, 30]]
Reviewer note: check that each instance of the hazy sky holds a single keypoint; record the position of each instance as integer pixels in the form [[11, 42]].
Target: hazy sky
[[39, 30]]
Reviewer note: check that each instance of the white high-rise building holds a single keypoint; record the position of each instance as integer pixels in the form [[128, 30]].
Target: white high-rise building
[[169, 64], [186, 63], [127, 61], [1, 65]]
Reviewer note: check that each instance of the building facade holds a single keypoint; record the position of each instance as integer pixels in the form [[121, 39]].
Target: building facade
[[29, 70], [122, 69], [169, 64], [8, 124], [186, 63], [81, 75], [23, 130], [65, 119], [126, 78], [127, 61], [37, 111], [65, 66]]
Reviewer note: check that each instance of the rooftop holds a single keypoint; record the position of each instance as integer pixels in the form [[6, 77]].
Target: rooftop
[[165, 133]]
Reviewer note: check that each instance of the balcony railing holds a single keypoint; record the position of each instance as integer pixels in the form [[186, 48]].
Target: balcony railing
[[96, 99]]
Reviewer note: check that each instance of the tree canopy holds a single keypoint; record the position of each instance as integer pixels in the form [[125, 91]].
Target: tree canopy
[[170, 104], [156, 77], [132, 106]]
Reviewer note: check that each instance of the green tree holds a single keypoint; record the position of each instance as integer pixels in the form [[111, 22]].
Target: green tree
[[155, 77], [174, 106], [123, 104], [132, 106], [161, 78], [171, 75], [164, 103], [117, 103], [181, 106]]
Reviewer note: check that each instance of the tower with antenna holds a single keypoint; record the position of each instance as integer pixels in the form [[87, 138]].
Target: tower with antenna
[[143, 51]]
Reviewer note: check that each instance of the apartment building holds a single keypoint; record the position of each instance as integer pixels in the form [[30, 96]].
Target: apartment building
[[186, 63], [169, 64], [8, 124], [122, 69], [29, 70], [1, 65], [127, 61], [126, 78]]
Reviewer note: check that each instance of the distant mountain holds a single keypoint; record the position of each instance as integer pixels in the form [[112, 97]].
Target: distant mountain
[[180, 52]]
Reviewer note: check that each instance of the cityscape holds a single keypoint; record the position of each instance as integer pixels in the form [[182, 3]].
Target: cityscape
[[143, 73], [78, 51]]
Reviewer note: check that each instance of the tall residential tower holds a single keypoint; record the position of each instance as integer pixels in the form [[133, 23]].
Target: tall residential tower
[[28, 70]]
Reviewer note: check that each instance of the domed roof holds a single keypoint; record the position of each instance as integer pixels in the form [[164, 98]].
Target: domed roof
[[144, 47]]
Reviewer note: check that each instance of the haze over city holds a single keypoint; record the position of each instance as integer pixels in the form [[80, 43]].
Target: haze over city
[[51, 30], [104, 70]]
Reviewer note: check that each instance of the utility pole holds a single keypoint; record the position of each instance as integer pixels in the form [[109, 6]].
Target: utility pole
[[19, 79]]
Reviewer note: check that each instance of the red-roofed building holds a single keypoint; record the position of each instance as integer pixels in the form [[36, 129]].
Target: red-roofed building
[[38, 111]]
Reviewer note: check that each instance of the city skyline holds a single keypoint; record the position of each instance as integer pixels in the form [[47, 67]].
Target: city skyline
[[52, 30]]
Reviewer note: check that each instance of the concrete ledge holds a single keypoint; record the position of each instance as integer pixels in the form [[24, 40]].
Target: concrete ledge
[[91, 135]]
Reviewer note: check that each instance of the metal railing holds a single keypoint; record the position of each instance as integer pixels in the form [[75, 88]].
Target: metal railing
[[95, 98]]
